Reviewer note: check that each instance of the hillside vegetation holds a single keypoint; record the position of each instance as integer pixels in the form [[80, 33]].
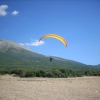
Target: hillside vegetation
[[14, 56]]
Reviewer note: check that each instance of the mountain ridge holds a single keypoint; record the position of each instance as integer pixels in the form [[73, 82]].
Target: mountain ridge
[[8, 44], [13, 55]]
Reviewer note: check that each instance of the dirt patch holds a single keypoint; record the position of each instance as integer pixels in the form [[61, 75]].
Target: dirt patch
[[15, 88]]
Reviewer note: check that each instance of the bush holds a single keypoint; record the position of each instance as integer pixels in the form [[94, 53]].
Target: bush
[[29, 74], [49, 74]]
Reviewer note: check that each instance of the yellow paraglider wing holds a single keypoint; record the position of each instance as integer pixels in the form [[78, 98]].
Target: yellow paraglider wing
[[55, 36]]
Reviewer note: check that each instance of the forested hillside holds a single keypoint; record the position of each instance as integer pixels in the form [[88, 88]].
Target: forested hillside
[[15, 56]]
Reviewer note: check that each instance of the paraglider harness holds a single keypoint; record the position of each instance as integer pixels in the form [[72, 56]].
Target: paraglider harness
[[51, 59]]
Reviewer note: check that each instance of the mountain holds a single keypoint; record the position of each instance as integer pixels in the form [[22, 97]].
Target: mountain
[[97, 66], [15, 56]]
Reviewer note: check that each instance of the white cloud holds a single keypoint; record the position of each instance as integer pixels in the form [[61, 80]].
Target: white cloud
[[14, 12], [33, 43], [21, 44], [2, 10]]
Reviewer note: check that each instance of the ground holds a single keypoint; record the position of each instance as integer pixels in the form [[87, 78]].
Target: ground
[[81, 88]]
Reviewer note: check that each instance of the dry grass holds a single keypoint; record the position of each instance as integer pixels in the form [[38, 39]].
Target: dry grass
[[84, 88]]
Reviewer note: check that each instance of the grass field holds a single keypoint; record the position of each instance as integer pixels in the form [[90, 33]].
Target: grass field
[[81, 88]]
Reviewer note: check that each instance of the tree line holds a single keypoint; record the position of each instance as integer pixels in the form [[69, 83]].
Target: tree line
[[54, 73]]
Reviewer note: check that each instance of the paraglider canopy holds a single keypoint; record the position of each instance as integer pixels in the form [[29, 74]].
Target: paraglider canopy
[[54, 36]]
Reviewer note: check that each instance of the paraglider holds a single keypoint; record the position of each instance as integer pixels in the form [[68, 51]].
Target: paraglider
[[54, 36]]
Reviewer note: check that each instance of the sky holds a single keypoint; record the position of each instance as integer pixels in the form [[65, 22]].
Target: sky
[[77, 21]]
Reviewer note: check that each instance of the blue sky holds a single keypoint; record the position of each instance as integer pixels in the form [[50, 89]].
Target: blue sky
[[78, 21]]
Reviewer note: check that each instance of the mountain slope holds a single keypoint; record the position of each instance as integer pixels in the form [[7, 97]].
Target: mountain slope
[[5, 45], [15, 56]]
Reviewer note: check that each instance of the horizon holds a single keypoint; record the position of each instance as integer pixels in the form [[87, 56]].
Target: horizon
[[78, 22]]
